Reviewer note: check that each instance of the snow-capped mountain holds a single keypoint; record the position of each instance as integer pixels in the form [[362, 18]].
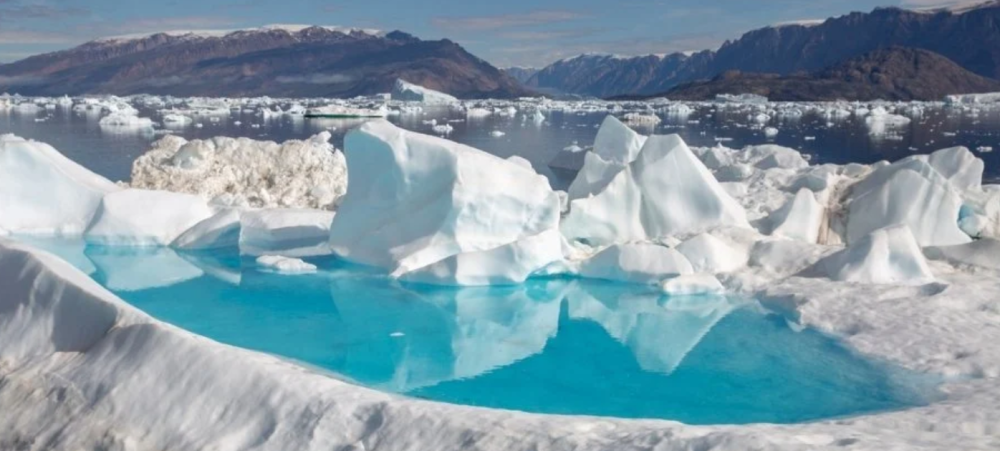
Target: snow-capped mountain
[[967, 35], [279, 60], [521, 74]]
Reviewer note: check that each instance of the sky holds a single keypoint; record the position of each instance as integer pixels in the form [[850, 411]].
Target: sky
[[503, 32]]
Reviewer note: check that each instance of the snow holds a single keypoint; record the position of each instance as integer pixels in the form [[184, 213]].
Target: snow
[[304, 174], [885, 256], [666, 191], [64, 195], [405, 91], [416, 200], [205, 34], [285, 265], [127, 217]]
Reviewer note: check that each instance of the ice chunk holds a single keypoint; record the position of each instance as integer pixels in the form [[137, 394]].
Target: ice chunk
[[43, 192], [285, 265], [959, 166], [711, 255], [907, 192], [405, 91], [984, 253], [802, 218], [416, 200], [773, 156], [301, 174], [219, 231], [885, 256], [135, 217], [636, 263], [508, 264], [615, 147], [285, 232], [692, 284], [665, 191]]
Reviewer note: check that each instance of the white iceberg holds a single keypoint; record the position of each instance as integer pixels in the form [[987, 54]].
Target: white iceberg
[[405, 91], [885, 256], [43, 192], [285, 265], [666, 191], [135, 217], [636, 263], [416, 200], [285, 232]]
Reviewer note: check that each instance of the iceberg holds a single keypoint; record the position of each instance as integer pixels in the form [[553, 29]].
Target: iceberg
[[285, 232], [135, 217], [802, 218], [416, 200], [636, 263], [409, 92], [709, 254], [911, 192], [285, 265], [43, 192], [615, 147], [885, 256], [666, 191]]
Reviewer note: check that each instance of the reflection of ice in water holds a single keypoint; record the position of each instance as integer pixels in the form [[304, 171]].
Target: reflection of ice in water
[[140, 268], [659, 331]]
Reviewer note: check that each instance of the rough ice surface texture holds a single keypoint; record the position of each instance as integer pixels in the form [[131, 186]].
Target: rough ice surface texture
[[416, 200], [665, 191], [245, 172], [405, 91], [43, 192]]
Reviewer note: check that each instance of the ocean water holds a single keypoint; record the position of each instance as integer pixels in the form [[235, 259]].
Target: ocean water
[[110, 151], [555, 345]]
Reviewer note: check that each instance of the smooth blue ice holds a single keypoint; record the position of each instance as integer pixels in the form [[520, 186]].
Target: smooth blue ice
[[559, 346]]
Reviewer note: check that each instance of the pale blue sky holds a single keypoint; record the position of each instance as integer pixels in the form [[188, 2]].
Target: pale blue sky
[[506, 32]]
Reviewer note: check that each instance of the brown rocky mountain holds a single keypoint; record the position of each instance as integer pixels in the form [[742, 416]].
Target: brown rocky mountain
[[893, 73], [969, 36], [274, 61]]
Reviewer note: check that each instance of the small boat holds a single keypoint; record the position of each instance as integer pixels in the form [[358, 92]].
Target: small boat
[[346, 112]]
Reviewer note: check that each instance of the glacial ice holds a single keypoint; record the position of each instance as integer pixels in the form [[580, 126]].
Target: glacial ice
[[416, 200], [43, 192], [666, 191], [636, 263], [885, 256], [285, 232], [692, 285], [409, 92], [135, 217], [802, 218], [615, 146], [285, 265]]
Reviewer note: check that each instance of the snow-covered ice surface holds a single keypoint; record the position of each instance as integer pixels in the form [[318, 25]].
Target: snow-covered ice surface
[[406, 91], [898, 279]]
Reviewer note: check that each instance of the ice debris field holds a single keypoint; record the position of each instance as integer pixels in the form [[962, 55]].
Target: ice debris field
[[897, 262]]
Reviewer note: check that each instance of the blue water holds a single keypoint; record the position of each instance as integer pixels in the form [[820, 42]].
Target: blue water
[[557, 346]]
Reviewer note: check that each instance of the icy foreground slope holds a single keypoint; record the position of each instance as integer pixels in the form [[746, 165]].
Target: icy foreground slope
[[67, 341], [41, 191]]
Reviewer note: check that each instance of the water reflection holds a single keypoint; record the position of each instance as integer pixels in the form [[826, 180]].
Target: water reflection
[[551, 346]]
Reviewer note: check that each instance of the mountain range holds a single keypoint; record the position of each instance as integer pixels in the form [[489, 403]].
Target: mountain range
[[970, 37], [894, 73], [292, 61]]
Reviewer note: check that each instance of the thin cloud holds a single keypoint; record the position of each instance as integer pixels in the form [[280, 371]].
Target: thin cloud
[[34, 37], [503, 21]]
